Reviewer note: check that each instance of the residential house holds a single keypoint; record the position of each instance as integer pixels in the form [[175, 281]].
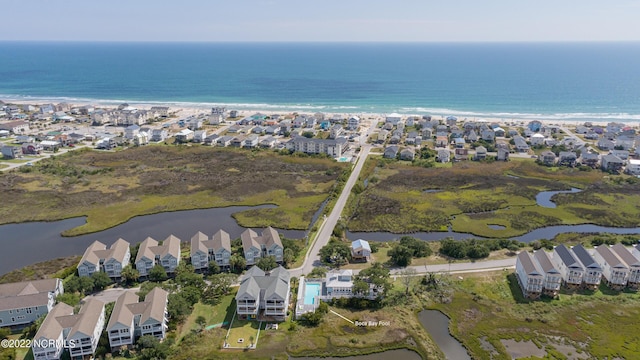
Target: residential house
[[224, 141], [332, 147], [31, 148], [131, 131], [590, 159], [47, 109], [205, 250], [567, 158], [15, 127], [407, 154], [151, 254], [632, 262], [552, 276], [258, 130], [353, 122], [461, 154], [11, 152], [391, 152], [393, 118], [622, 154], [335, 131], [459, 143], [131, 319], [625, 142], [530, 275], [264, 295], [256, 247], [605, 144], [537, 139], [193, 124], [534, 125], [268, 142], [611, 163], [184, 135], [520, 144], [48, 343], [614, 269], [633, 167], [499, 132], [472, 136], [24, 302], [443, 155], [441, 141], [427, 133], [78, 333], [360, 250], [570, 268], [481, 153], [158, 134], [338, 284], [395, 139], [593, 271], [411, 138], [503, 154], [98, 258], [250, 141], [199, 136], [487, 135], [160, 111]]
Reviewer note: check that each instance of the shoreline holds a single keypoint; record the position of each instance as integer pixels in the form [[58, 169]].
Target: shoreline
[[185, 109]]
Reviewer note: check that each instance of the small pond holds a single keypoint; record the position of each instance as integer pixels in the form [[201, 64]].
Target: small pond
[[496, 227], [437, 325], [544, 197]]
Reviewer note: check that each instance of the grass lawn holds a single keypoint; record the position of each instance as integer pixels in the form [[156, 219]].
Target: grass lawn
[[243, 330], [213, 314], [112, 187], [471, 196], [489, 307]]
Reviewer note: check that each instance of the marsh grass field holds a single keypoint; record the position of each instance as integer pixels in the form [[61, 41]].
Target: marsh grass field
[[112, 187], [470, 196]]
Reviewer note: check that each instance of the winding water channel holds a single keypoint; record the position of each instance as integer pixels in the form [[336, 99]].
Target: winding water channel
[[437, 325]]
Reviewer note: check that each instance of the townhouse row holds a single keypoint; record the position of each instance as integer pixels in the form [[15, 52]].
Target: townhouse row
[[541, 273]]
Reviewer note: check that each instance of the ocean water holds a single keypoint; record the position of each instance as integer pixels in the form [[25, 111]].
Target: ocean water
[[570, 81]]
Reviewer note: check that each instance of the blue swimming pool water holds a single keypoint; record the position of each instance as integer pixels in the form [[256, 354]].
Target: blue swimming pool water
[[311, 291]]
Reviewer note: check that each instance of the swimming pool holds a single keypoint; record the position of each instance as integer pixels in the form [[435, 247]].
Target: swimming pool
[[310, 292], [344, 159]]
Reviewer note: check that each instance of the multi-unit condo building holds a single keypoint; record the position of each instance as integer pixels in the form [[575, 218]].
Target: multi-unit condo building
[[614, 269], [530, 275], [150, 254], [24, 302], [79, 333], [131, 319], [632, 262], [264, 295], [111, 261], [256, 247], [205, 250], [331, 147], [592, 270], [552, 277], [570, 268]]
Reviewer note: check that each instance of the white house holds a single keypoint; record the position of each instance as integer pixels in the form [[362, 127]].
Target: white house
[[393, 118], [537, 139], [593, 270], [360, 250], [570, 268], [530, 275], [633, 167], [552, 276], [338, 283], [614, 269], [131, 319], [130, 132], [205, 250], [353, 122]]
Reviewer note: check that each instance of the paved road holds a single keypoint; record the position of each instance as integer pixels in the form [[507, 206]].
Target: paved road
[[462, 267], [110, 295], [313, 259], [44, 156]]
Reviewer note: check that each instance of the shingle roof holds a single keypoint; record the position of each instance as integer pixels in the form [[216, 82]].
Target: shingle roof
[[248, 240], [26, 294], [526, 261], [584, 257], [567, 257], [219, 240], [51, 327], [145, 249], [544, 261], [197, 243], [121, 313], [610, 257], [90, 255], [88, 318], [625, 255], [274, 284], [156, 301]]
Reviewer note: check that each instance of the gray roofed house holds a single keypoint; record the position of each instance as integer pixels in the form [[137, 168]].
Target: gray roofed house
[[205, 250], [256, 247], [391, 152], [111, 261], [150, 254], [51, 332], [264, 294], [590, 159], [85, 328], [567, 158], [570, 268], [530, 275], [520, 144], [632, 262], [611, 163], [24, 302], [552, 276], [481, 153], [593, 270], [407, 154], [547, 157], [614, 269], [443, 155]]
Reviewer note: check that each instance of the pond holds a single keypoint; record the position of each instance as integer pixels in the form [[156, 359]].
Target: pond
[[32, 242], [544, 197], [437, 325], [496, 227], [400, 354]]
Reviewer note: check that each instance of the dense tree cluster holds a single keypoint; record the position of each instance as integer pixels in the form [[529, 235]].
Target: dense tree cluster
[[335, 253], [408, 248], [475, 248]]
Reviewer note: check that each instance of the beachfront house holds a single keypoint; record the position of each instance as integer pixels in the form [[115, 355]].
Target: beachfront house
[[353, 122], [530, 275], [360, 250], [151, 253], [78, 333], [264, 295], [131, 319], [256, 247], [24, 302], [593, 270], [205, 250], [614, 269], [552, 276], [632, 262], [393, 118], [111, 261], [570, 268], [336, 131], [131, 131]]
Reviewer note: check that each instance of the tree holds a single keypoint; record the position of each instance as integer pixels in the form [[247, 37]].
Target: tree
[[129, 274], [219, 287], [360, 287], [401, 255], [453, 248], [335, 253], [157, 273], [186, 276], [420, 248], [378, 276], [191, 294], [407, 277], [288, 256], [100, 280], [85, 284], [201, 322], [317, 273], [72, 284], [237, 262], [214, 268], [149, 347], [267, 263], [178, 308]]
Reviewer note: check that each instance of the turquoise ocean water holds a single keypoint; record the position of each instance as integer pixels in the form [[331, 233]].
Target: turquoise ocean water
[[562, 81]]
